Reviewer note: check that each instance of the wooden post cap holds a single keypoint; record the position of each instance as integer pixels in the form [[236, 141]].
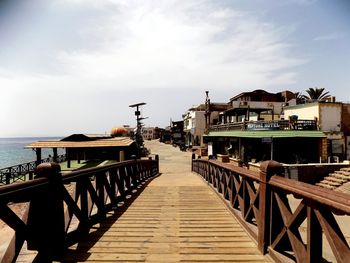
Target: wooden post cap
[[47, 169], [270, 168], [271, 165]]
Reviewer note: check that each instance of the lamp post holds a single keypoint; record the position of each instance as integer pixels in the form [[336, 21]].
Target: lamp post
[[207, 112], [138, 135]]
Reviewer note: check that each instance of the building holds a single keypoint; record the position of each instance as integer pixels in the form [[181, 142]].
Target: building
[[333, 118], [254, 129], [150, 133], [165, 135], [345, 127], [257, 105], [195, 120], [147, 133], [177, 133]]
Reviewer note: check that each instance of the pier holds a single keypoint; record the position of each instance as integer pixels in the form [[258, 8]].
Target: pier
[[176, 218], [175, 207]]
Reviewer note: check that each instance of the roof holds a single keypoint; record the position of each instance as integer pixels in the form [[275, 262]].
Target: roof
[[311, 104], [258, 92], [86, 137], [114, 142], [214, 106], [270, 134]]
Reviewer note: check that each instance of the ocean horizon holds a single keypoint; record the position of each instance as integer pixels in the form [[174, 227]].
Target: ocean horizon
[[12, 151]]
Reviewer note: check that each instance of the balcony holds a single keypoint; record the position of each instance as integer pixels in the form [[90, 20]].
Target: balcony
[[306, 125]]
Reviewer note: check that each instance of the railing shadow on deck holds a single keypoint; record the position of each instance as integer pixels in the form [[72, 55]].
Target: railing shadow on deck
[[64, 207], [83, 247], [261, 202]]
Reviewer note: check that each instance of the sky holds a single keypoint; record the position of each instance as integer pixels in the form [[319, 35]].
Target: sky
[[75, 66]]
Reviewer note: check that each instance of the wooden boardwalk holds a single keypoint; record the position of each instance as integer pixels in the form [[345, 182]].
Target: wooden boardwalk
[[176, 218]]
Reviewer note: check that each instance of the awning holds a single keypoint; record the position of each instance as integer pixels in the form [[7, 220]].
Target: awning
[[115, 142], [268, 134]]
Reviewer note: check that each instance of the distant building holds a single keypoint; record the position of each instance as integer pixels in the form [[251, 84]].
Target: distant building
[[195, 122], [177, 132], [150, 133], [165, 135]]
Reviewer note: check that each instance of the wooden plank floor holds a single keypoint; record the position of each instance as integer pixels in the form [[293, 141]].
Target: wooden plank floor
[[176, 218]]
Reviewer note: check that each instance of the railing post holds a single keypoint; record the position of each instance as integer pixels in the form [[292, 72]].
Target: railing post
[[8, 177], [207, 174], [193, 157], [46, 215], [100, 189], [314, 237], [267, 170], [157, 159]]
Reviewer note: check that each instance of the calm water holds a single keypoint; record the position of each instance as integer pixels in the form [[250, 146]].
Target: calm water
[[12, 150]]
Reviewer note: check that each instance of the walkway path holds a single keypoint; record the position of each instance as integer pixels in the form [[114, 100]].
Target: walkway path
[[176, 218]]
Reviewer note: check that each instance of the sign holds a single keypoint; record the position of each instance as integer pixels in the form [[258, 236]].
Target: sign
[[210, 148], [266, 140]]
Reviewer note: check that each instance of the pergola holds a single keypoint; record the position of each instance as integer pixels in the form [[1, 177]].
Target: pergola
[[116, 142]]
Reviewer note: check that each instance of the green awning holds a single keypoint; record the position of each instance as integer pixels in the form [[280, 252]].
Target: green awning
[[268, 134]]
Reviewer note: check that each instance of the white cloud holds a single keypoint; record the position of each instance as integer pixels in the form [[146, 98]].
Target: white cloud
[[177, 44], [303, 2], [330, 36], [78, 51]]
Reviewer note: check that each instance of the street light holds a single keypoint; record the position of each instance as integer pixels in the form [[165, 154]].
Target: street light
[[138, 135]]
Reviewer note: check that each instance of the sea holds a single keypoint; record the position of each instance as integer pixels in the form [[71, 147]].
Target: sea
[[12, 151]]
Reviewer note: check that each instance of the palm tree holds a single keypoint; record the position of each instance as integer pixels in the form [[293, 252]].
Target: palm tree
[[300, 98], [316, 94]]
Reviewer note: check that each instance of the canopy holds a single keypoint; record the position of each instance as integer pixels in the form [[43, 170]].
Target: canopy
[[268, 134]]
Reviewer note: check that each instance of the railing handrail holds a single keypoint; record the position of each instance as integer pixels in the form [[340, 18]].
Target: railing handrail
[[336, 200], [21, 187], [46, 225], [236, 169], [93, 170], [18, 171], [261, 203], [44, 160]]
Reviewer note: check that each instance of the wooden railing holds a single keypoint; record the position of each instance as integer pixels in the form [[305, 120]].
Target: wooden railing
[[62, 208], [266, 125], [262, 202], [20, 171]]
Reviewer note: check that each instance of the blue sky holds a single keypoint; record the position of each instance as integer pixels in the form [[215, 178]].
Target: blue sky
[[71, 66]]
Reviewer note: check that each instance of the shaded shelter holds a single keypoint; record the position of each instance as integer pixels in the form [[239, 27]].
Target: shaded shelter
[[90, 147]]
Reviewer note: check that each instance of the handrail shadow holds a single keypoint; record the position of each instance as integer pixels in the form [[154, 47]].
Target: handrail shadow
[[83, 246]]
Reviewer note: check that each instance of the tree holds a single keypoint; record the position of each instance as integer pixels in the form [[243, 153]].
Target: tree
[[300, 98], [316, 94]]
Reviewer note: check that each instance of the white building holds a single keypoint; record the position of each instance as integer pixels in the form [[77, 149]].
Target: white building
[[194, 122], [329, 120], [148, 133]]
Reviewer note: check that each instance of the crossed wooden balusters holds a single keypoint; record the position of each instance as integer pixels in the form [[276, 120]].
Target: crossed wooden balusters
[[261, 201], [62, 208]]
